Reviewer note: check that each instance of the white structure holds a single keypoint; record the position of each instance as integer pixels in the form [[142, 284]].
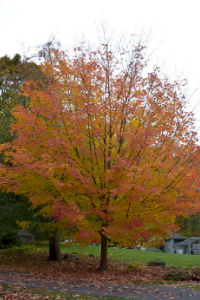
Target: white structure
[[170, 244], [190, 246]]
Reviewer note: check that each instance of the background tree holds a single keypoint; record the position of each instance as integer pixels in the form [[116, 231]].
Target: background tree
[[104, 148], [189, 226], [16, 208], [13, 72]]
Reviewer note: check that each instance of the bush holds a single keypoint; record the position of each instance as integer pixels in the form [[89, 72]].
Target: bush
[[178, 275], [161, 247], [11, 251], [137, 267], [157, 262], [195, 271], [10, 240], [153, 249]]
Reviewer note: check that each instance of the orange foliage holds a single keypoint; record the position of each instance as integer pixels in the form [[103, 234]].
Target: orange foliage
[[104, 148]]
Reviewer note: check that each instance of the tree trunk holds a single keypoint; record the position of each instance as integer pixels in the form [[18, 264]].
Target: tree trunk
[[54, 246], [104, 261]]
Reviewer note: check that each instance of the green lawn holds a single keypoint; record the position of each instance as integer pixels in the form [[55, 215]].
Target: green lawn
[[129, 255]]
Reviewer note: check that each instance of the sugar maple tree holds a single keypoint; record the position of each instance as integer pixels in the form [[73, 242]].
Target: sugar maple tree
[[104, 149]]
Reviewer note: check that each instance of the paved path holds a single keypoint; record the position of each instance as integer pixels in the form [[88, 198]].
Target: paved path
[[130, 290]]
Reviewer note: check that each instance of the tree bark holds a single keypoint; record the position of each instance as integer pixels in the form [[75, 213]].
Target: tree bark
[[54, 246], [104, 261]]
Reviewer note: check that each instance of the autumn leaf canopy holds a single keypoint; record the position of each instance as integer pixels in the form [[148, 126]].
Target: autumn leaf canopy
[[103, 148]]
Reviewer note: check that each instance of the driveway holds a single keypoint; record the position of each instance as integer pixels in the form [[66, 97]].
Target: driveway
[[102, 289]]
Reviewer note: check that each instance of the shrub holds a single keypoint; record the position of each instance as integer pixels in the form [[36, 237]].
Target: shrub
[[153, 249], [13, 250], [178, 275], [157, 262], [137, 267], [195, 271], [10, 240], [161, 247]]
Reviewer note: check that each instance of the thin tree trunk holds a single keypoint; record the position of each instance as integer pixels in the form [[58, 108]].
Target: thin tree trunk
[[54, 246], [104, 261]]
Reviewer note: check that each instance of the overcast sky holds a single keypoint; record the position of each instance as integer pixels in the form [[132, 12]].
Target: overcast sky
[[175, 26]]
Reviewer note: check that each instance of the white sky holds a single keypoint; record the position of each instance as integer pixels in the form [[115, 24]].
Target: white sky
[[174, 23]]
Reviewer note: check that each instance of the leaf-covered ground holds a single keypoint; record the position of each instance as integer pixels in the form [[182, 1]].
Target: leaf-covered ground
[[85, 268], [81, 277], [22, 293]]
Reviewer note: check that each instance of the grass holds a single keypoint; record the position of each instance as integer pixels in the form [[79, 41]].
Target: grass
[[125, 265], [196, 287], [126, 255], [27, 293]]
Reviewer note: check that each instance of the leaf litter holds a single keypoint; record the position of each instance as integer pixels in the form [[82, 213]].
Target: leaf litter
[[68, 276]]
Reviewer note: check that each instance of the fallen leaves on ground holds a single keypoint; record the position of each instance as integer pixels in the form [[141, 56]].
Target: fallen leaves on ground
[[22, 293], [17, 292], [84, 269]]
